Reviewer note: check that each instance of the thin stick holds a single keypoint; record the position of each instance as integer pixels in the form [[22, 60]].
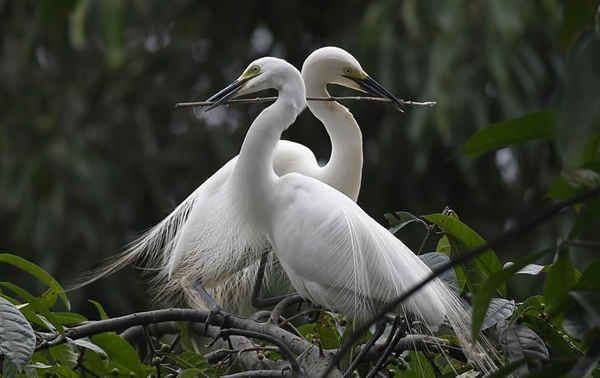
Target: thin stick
[[258, 100]]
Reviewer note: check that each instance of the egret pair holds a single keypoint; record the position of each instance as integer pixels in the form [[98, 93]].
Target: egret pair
[[275, 195]]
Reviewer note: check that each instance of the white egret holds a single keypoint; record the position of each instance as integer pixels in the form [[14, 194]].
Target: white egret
[[334, 254], [205, 240]]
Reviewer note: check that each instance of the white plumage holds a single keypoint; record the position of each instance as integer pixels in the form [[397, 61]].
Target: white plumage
[[333, 252], [205, 240]]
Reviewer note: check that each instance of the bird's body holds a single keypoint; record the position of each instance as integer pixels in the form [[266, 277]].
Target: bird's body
[[205, 240], [332, 251], [214, 244], [349, 263]]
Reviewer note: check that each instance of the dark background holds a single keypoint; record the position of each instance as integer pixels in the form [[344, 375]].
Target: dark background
[[92, 151]]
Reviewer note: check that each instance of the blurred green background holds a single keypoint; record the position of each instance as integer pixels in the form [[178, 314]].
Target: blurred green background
[[92, 151]]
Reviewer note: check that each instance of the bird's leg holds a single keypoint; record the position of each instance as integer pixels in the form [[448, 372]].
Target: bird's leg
[[395, 337], [280, 307], [379, 328], [207, 298], [257, 301], [213, 306]]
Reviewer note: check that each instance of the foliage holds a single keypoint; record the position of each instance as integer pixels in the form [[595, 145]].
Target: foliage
[[97, 70]]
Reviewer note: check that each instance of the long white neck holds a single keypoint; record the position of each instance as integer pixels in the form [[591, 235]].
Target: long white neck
[[254, 176], [344, 168]]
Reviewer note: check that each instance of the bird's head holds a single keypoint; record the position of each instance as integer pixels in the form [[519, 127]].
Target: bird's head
[[263, 73], [332, 65]]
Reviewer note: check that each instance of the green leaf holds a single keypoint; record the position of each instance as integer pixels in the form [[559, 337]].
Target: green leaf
[[582, 314], [77, 24], [418, 366], [466, 239], [581, 306], [561, 277], [578, 124], [533, 126], [17, 341], [532, 306], [400, 219], [577, 16], [482, 296], [559, 343], [97, 362], [444, 247], [560, 189], [38, 305], [112, 19], [119, 351], [49, 297], [64, 354], [84, 343], [100, 309], [69, 318], [518, 342], [588, 219], [37, 272], [555, 369], [306, 329], [434, 260], [326, 330], [498, 310], [60, 371]]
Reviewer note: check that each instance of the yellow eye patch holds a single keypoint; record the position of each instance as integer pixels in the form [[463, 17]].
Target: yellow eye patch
[[250, 73]]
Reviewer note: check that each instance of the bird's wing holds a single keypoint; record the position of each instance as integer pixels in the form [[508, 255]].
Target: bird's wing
[[215, 242], [342, 258], [214, 233]]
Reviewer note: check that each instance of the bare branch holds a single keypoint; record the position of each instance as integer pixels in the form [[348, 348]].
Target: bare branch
[[287, 354], [257, 374], [240, 344], [423, 343], [258, 100], [312, 362], [281, 306]]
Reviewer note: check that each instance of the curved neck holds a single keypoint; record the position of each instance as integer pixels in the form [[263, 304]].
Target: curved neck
[[343, 171], [254, 173]]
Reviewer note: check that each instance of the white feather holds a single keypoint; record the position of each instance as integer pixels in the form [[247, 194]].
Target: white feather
[[333, 253], [205, 240]]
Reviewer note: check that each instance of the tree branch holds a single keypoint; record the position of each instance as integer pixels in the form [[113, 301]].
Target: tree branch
[[423, 343], [258, 100], [257, 374], [505, 238], [287, 354], [312, 362]]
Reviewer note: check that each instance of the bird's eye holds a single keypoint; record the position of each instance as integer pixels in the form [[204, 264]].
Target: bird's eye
[[347, 70], [254, 69]]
